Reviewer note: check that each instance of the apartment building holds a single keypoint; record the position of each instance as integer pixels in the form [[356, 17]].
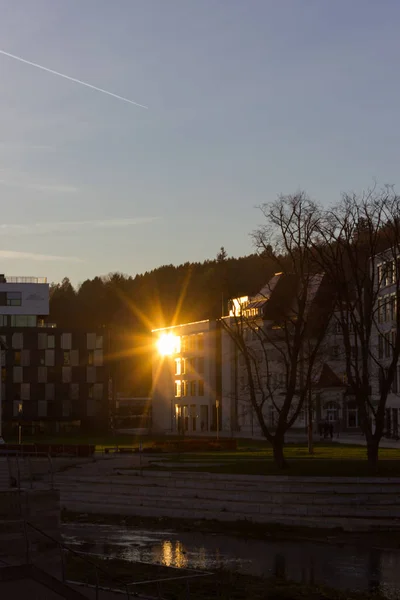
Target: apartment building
[[52, 379], [199, 375], [384, 334], [186, 390]]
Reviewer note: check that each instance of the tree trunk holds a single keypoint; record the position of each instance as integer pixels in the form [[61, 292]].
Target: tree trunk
[[372, 453], [279, 457], [310, 439]]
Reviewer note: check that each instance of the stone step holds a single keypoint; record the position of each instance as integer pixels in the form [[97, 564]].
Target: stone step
[[245, 508], [332, 523], [239, 496]]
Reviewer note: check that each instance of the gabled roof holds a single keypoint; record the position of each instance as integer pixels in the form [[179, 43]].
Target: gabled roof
[[328, 378]]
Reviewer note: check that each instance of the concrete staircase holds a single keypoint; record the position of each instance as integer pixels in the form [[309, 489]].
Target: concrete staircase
[[349, 503]]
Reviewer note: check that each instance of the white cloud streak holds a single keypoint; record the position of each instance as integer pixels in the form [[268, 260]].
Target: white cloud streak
[[84, 83], [71, 226], [13, 255]]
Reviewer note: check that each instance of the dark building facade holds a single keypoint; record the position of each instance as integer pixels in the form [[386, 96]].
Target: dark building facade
[[54, 380]]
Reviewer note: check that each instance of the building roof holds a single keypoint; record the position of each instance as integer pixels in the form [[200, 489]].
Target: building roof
[[328, 378]]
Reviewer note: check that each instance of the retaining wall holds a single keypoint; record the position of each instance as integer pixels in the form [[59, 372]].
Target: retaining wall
[[349, 503]]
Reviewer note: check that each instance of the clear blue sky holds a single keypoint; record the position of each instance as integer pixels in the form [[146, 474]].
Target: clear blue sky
[[246, 99]]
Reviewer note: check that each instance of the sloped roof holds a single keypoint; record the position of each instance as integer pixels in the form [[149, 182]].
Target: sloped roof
[[328, 378]]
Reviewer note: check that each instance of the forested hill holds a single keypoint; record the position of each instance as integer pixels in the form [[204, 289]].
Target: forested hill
[[131, 306], [188, 292]]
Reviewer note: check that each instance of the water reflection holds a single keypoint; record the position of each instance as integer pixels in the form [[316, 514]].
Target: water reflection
[[342, 567]]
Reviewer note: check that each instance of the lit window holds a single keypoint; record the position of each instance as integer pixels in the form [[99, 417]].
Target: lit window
[[178, 366], [178, 388]]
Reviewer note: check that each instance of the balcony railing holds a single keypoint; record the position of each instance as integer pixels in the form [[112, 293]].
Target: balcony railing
[[13, 279]]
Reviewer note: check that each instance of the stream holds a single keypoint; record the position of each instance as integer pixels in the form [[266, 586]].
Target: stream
[[337, 566]]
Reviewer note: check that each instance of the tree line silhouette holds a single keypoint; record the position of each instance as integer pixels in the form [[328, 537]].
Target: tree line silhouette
[[130, 307]]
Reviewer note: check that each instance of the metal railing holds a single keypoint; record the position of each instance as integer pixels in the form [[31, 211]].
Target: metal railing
[[18, 279], [15, 479]]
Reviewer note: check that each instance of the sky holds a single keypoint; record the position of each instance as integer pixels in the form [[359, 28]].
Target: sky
[[241, 100]]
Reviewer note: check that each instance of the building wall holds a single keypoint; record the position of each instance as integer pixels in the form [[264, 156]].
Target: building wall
[[52, 379], [33, 297], [185, 401]]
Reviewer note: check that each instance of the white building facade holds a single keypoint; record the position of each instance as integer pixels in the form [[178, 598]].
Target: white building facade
[[186, 378]]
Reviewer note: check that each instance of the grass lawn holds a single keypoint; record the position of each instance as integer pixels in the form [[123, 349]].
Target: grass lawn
[[252, 457]]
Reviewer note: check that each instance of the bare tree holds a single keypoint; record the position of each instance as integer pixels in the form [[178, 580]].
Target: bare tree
[[359, 250], [281, 331]]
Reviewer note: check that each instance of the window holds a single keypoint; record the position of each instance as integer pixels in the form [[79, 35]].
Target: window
[[25, 391], [338, 328], [200, 365], [192, 365], [177, 366], [3, 375], [91, 374], [17, 341], [42, 341], [66, 341], [91, 390], [17, 374], [201, 387], [184, 388], [49, 358], [23, 320], [42, 374], [51, 341], [42, 408], [67, 357], [99, 342], [74, 391], [184, 344], [49, 391], [183, 366], [192, 343], [193, 388], [178, 388], [3, 320], [17, 358], [14, 299], [193, 414], [91, 357], [18, 408], [66, 374]]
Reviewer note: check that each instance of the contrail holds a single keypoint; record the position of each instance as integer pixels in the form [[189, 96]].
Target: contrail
[[93, 87]]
